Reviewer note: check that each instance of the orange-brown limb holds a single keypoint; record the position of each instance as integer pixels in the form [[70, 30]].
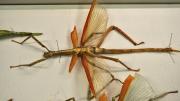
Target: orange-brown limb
[[111, 28]]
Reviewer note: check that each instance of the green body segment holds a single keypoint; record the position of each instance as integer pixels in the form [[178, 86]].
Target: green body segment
[[7, 33]]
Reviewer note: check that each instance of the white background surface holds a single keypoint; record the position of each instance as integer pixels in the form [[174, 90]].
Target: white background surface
[[50, 80]]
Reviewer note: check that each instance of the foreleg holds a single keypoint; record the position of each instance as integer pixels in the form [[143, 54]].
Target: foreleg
[[30, 64], [31, 36]]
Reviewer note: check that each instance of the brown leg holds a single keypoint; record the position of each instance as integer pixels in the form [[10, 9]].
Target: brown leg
[[111, 28], [162, 95], [22, 41], [30, 64], [31, 36], [93, 64], [115, 60]]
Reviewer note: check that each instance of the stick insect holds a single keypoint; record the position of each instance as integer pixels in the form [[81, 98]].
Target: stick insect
[[89, 51], [8, 34], [137, 88]]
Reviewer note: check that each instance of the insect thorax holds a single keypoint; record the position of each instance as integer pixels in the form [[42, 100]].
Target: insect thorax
[[83, 50]]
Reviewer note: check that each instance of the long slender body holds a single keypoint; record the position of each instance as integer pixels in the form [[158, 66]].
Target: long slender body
[[7, 34], [128, 51], [95, 50]]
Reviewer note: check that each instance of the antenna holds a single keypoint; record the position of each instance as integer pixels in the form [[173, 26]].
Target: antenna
[[170, 40], [169, 46], [170, 55], [58, 49]]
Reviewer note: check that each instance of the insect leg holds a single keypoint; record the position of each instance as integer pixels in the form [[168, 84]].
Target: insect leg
[[31, 36], [162, 95], [113, 59], [111, 28], [93, 64], [22, 41], [118, 60], [30, 64]]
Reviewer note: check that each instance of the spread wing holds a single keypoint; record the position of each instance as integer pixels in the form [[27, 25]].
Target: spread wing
[[139, 90], [95, 26], [99, 73]]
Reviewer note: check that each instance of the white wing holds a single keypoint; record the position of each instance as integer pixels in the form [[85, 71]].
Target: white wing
[[139, 90], [100, 77]]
